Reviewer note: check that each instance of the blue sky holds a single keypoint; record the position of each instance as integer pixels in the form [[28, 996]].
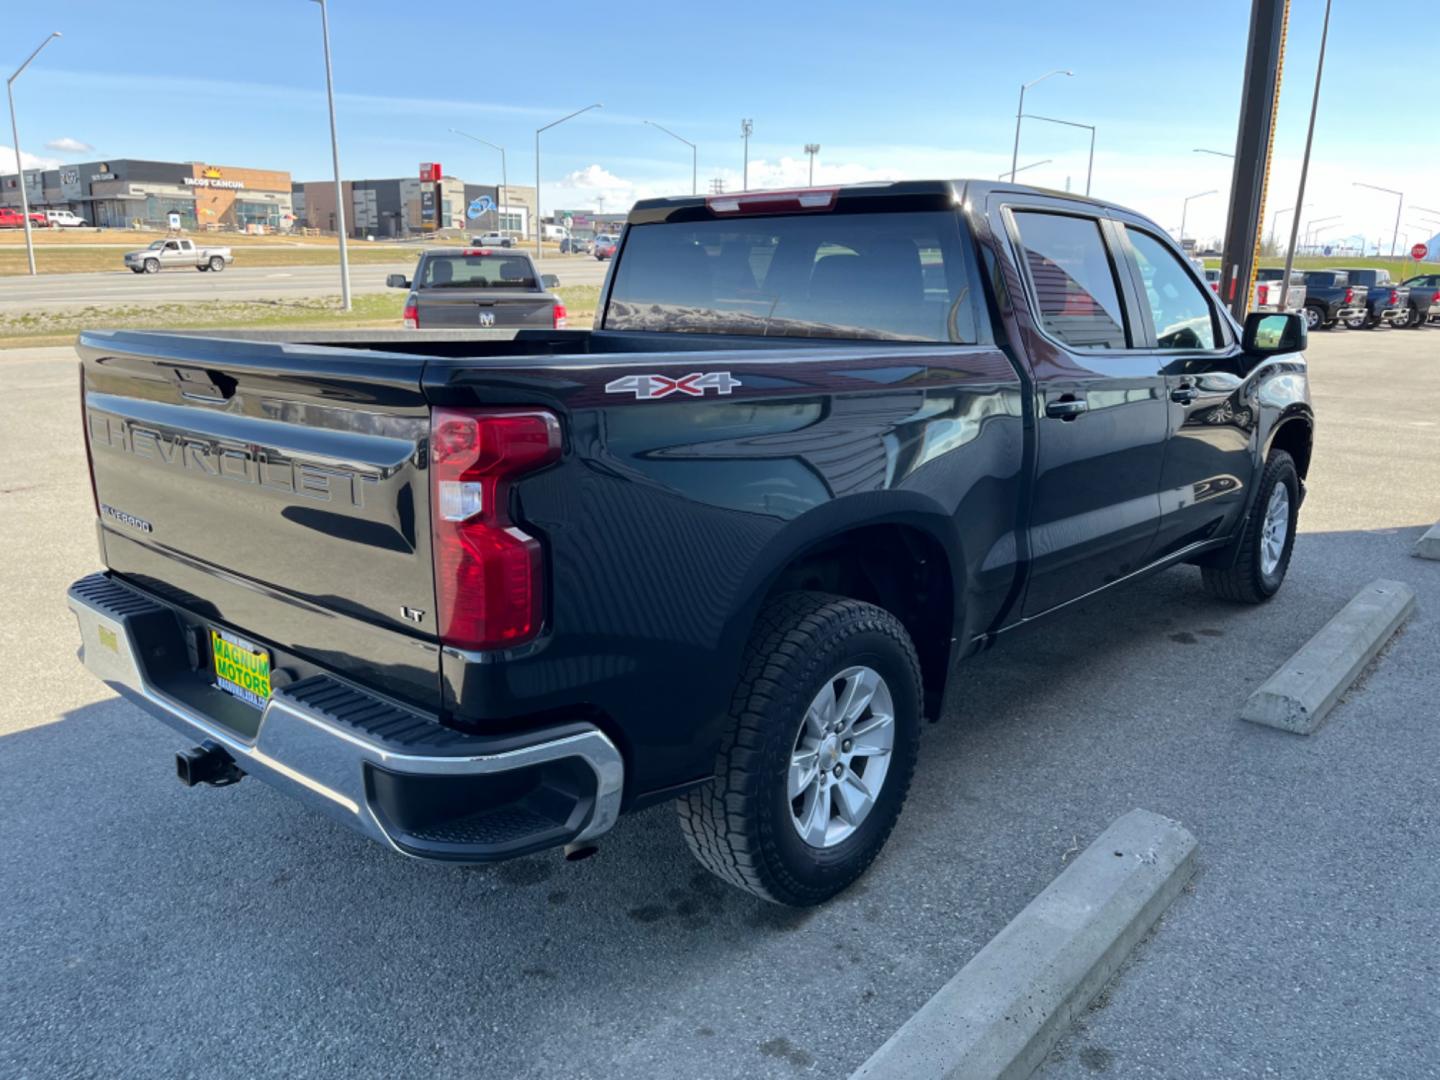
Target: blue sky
[[895, 90]]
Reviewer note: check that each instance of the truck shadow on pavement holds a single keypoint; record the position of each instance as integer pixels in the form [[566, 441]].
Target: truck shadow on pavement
[[263, 929]]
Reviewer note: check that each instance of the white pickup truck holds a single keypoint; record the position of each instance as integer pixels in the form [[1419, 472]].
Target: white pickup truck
[[177, 251]]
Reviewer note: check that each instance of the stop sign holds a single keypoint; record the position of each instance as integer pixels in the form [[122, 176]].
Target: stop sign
[[1419, 251]]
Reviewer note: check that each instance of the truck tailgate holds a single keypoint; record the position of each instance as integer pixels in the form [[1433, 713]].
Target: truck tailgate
[[279, 491], [476, 309]]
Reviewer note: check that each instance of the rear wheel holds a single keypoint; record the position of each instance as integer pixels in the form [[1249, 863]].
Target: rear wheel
[[815, 765], [1253, 567], [217, 264]]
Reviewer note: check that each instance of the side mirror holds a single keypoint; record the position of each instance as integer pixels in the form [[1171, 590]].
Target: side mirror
[[396, 281], [550, 281], [1267, 333]]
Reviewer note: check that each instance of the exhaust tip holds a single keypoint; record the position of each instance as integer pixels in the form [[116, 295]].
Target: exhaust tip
[[579, 852]]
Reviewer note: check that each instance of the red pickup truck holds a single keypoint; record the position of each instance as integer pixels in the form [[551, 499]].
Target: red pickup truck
[[10, 218]]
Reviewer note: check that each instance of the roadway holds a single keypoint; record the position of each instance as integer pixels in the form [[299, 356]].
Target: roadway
[[121, 288]]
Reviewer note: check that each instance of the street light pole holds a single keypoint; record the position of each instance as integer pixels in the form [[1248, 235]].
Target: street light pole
[[1217, 153], [538, 216], [1090, 168], [335, 157], [746, 127], [1275, 219], [1399, 206], [1185, 211], [812, 148], [1312, 226], [504, 177], [1020, 112], [694, 159], [15, 131]]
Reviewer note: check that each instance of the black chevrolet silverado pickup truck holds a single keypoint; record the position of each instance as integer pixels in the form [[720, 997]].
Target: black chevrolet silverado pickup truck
[[478, 595]]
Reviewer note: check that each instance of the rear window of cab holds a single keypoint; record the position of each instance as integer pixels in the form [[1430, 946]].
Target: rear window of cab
[[872, 276]]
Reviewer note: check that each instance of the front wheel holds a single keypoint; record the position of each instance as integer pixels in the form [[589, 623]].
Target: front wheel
[[1314, 318], [817, 758], [152, 266], [1357, 322], [217, 264], [1252, 568]]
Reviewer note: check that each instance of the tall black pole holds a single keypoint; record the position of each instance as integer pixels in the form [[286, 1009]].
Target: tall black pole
[[1260, 96]]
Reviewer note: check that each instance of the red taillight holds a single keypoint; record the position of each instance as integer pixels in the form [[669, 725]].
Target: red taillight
[[1435, 299], [1394, 298], [489, 575], [475, 251], [411, 315], [774, 202], [1349, 296], [558, 316], [1263, 293]]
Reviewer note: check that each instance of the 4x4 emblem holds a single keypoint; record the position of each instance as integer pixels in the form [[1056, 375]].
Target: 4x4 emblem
[[650, 387]]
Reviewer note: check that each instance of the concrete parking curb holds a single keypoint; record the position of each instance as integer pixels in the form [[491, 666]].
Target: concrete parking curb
[[1005, 1009], [1428, 546], [1299, 696]]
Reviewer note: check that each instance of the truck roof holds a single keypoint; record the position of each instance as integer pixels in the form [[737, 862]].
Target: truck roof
[[892, 194]]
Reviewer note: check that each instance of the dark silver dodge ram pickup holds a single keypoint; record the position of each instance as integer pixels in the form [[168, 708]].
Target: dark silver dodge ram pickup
[[479, 594]]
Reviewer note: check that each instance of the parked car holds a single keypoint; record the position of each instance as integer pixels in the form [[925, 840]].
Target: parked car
[[481, 288], [575, 245], [1424, 299], [1268, 290], [1212, 278], [492, 239], [176, 252], [63, 219], [479, 597], [1330, 298], [553, 232], [605, 246], [1386, 302]]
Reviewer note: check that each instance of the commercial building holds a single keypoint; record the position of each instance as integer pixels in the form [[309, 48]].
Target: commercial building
[[405, 206], [127, 192], [588, 224]]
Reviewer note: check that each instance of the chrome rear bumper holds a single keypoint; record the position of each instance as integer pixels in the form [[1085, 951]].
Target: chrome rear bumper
[[391, 772]]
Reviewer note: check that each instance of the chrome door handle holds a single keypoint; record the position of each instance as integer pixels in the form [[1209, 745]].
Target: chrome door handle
[[1065, 408]]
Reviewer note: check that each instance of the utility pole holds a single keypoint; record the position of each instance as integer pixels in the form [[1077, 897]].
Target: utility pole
[[812, 148], [335, 158], [717, 185], [20, 169], [1305, 162], [746, 127]]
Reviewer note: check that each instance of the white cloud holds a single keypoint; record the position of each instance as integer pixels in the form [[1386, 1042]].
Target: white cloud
[[27, 161], [68, 145]]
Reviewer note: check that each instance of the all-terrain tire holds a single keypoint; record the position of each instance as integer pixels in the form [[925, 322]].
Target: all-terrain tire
[[1244, 578], [739, 824]]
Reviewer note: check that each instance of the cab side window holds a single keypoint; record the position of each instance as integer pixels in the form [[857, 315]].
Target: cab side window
[[1072, 280], [1182, 315]]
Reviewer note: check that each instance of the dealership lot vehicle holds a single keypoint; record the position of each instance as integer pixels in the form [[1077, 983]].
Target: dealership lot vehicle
[[1386, 302], [1268, 290], [1051, 736], [840, 420], [470, 288], [1331, 298], [177, 253], [1424, 299]]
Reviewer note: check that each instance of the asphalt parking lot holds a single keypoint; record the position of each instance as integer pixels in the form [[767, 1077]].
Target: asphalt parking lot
[[150, 930]]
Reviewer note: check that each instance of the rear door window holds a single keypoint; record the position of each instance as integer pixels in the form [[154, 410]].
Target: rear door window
[[880, 276], [1072, 279]]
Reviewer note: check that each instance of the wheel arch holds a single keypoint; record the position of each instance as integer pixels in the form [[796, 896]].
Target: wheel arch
[[907, 559]]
